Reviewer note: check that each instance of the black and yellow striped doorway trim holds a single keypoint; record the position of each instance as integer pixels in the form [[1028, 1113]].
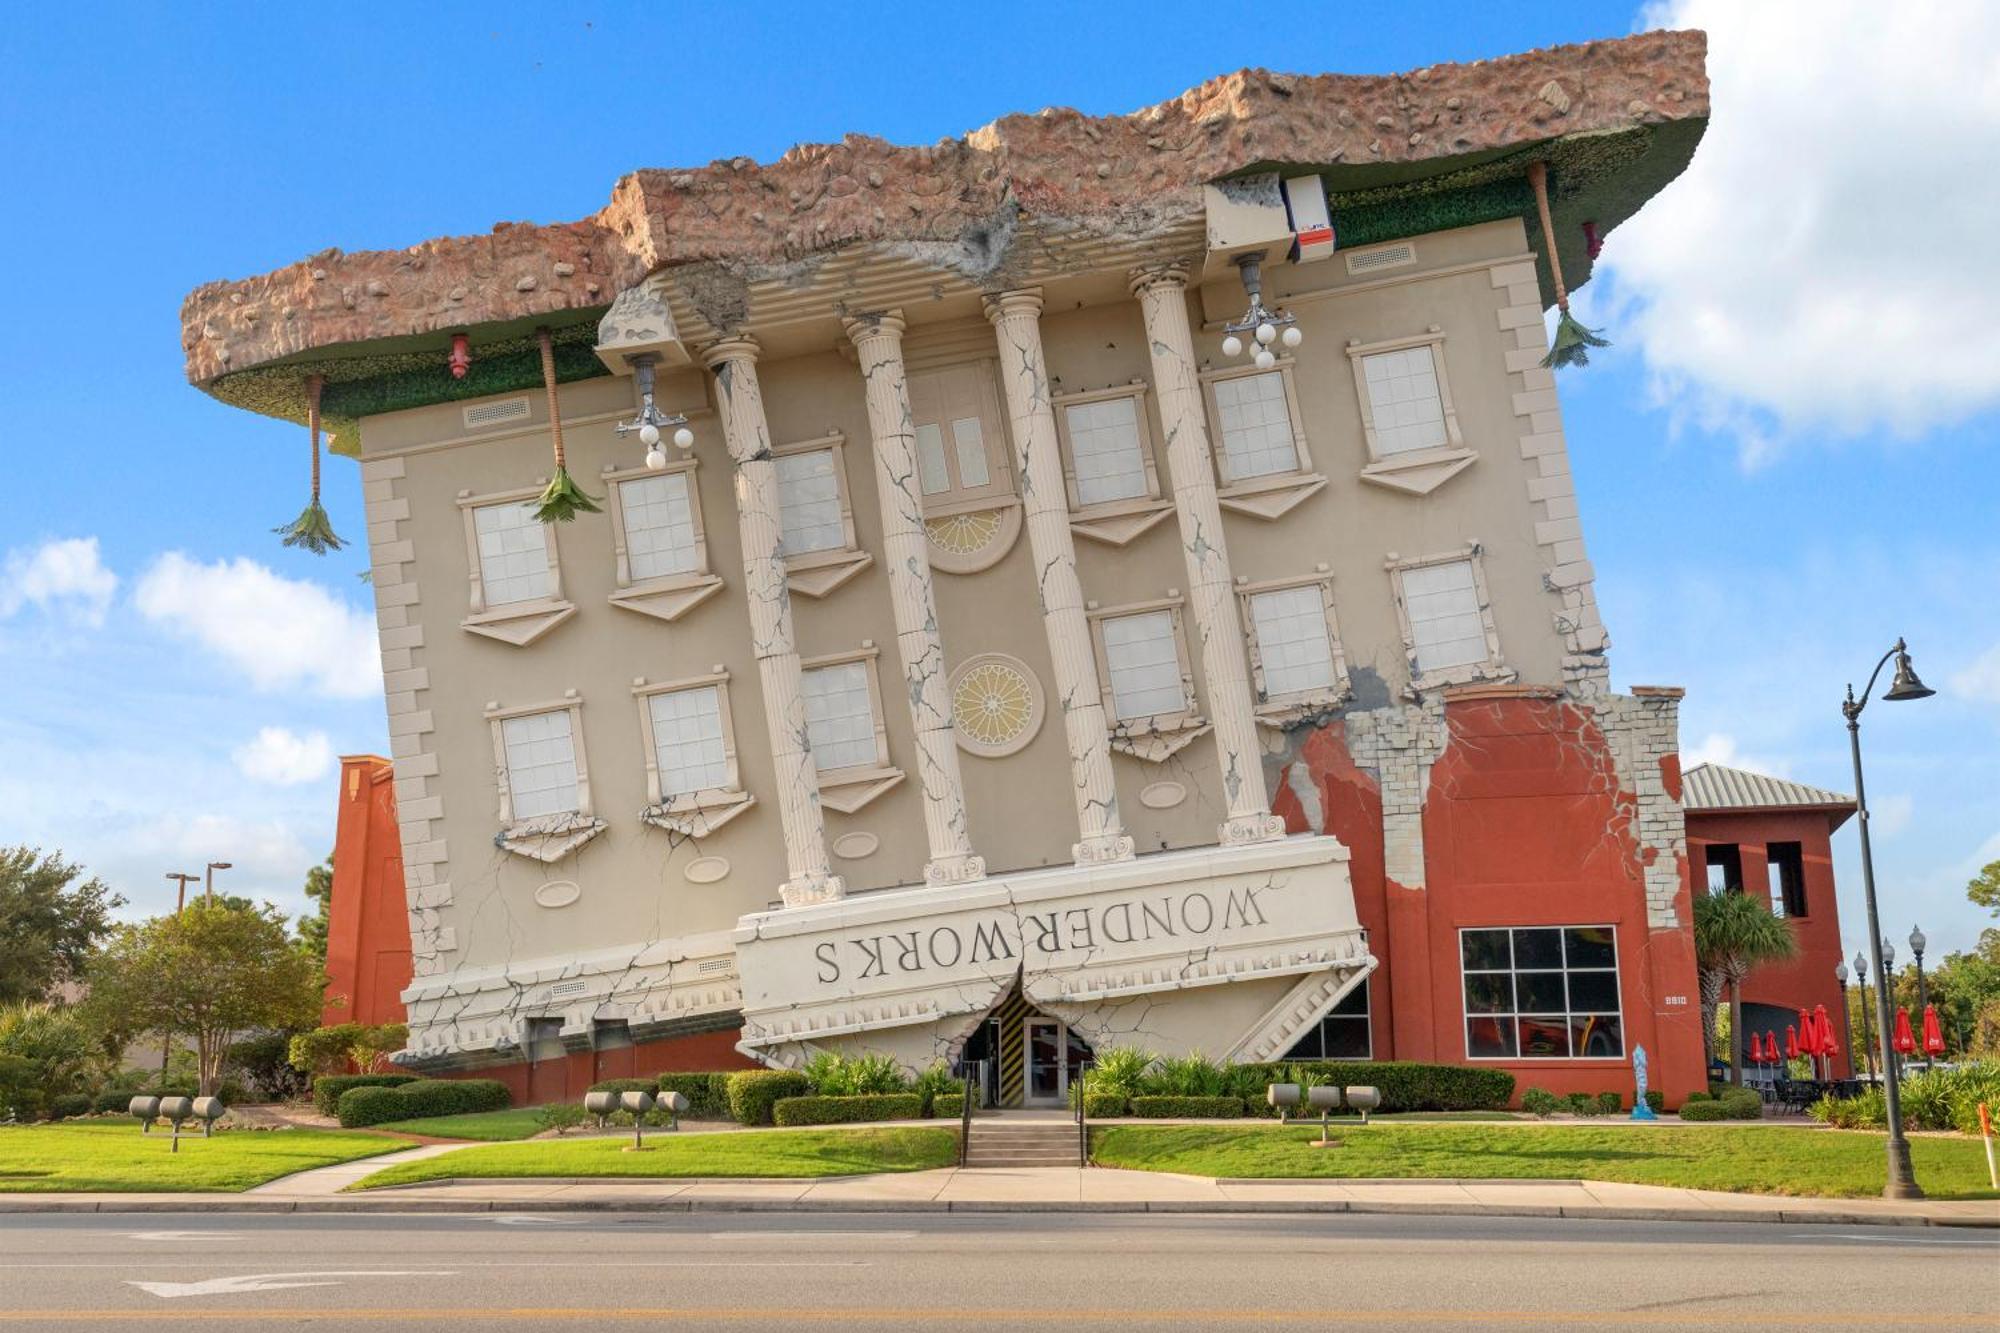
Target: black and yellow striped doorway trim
[[1009, 1014]]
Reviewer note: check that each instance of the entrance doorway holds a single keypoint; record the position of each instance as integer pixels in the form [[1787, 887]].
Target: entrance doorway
[[1030, 1058], [1043, 1043]]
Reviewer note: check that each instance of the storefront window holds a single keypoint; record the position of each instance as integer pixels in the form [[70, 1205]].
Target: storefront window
[[1541, 993], [1342, 1035]]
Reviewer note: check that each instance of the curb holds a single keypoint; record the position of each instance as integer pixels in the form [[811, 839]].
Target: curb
[[19, 1205]]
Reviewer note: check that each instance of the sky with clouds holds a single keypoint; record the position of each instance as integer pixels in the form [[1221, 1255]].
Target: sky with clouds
[[1786, 459]]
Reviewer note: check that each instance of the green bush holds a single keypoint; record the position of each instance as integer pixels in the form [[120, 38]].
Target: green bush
[[1407, 1086], [69, 1105], [1708, 1108], [1580, 1103], [1949, 1098], [1742, 1104], [948, 1106], [1700, 1097], [834, 1075], [1192, 1075], [1098, 1105], [707, 1092], [265, 1060], [1656, 1100], [847, 1110], [1187, 1108], [560, 1116], [934, 1082], [1540, 1102], [752, 1092], [117, 1099], [1609, 1103], [1121, 1069], [420, 1099], [625, 1085], [327, 1089]]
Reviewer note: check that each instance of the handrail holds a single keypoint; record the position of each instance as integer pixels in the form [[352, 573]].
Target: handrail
[[1082, 1121], [965, 1112]]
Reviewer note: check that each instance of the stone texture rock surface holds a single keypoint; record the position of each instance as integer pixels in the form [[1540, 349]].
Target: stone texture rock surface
[[1127, 174]]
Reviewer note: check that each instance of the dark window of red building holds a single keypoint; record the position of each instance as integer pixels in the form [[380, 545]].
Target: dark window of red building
[[1788, 878], [1725, 868], [1342, 1035], [1541, 993]]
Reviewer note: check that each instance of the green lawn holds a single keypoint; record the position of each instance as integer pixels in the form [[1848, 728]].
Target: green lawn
[[518, 1122], [1749, 1158], [779, 1154], [113, 1155]]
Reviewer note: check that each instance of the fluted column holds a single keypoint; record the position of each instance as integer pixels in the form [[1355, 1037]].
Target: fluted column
[[808, 878], [1162, 294], [1024, 376], [906, 555]]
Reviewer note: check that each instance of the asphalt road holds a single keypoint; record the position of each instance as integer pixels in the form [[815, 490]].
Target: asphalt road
[[165, 1271]]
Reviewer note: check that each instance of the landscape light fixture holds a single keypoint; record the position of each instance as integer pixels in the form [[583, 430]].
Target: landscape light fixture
[[1904, 685], [1264, 327], [651, 420]]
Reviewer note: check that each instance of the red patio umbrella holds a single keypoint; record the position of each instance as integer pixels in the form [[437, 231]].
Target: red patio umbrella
[[1756, 1049], [1808, 1034], [1771, 1047], [1791, 1042], [1906, 1042], [1827, 1044], [1933, 1032]]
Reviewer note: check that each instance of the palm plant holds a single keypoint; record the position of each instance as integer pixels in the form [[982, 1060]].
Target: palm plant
[[1734, 934]]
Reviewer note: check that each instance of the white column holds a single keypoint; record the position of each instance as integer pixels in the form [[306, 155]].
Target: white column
[[1024, 376], [1162, 294], [906, 555], [808, 878]]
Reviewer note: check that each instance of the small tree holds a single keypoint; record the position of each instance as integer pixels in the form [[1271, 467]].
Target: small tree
[[1734, 934], [312, 928], [49, 924], [211, 971]]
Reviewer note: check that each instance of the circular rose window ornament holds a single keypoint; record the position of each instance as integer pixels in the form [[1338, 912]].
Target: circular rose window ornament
[[996, 705]]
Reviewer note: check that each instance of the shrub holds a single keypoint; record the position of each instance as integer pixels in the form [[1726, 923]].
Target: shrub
[[1656, 1099], [420, 1099], [707, 1093], [834, 1075], [1949, 1098], [1406, 1086], [328, 1050], [752, 1092], [1098, 1105], [948, 1105], [625, 1085], [1187, 1108], [328, 1088], [1580, 1103], [1121, 1069], [1609, 1103], [265, 1061], [847, 1110], [560, 1116], [932, 1083], [1742, 1104], [1191, 1075], [69, 1105], [1700, 1097], [1707, 1108], [1540, 1102]]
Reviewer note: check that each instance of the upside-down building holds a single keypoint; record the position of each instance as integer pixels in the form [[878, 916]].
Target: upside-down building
[[1123, 583]]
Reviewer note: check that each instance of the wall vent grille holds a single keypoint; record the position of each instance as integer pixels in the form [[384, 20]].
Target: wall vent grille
[[714, 965], [481, 415], [564, 989], [1400, 255]]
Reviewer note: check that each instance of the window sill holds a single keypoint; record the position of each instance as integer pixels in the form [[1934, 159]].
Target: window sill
[[1419, 472], [817, 573], [1117, 522], [519, 623], [699, 814], [548, 838], [668, 598], [1270, 498], [1283, 714], [1481, 673], [1157, 739], [849, 789]]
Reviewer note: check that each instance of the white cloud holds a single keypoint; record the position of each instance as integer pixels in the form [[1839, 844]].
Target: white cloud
[[284, 758], [67, 574], [1719, 747], [1889, 815], [1981, 680], [282, 633], [1826, 263], [261, 853]]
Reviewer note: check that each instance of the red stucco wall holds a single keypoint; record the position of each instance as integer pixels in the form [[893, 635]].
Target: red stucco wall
[[368, 926]]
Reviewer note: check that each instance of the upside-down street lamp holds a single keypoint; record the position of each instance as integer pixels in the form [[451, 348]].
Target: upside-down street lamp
[[1264, 327], [650, 419], [1902, 1183]]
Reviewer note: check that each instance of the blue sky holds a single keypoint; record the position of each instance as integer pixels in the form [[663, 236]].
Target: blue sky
[[1786, 460]]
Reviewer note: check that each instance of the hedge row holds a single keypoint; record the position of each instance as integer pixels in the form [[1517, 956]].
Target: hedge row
[[707, 1093], [754, 1092], [117, 1101], [327, 1088], [1187, 1108], [848, 1110], [948, 1105], [374, 1104], [1404, 1085], [1733, 1104]]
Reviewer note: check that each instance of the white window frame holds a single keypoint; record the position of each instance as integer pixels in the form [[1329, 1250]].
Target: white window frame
[[668, 596], [959, 498], [699, 813], [817, 573], [1115, 522], [1289, 708], [1156, 736], [853, 786], [1494, 669], [1273, 494], [1418, 471], [1617, 970], [543, 837], [517, 623]]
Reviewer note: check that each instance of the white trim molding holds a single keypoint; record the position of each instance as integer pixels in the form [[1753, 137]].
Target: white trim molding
[[515, 623], [670, 596], [852, 786], [693, 814], [1153, 737], [1268, 495], [818, 573], [548, 837], [1114, 522], [1493, 669], [1414, 471], [1292, 707]]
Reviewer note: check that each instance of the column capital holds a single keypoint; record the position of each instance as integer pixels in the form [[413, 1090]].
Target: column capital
[[1158, 275], [1022, 301], [888, 322], [740, 347]]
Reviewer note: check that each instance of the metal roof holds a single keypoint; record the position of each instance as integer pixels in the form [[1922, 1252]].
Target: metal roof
[[1716, 787]]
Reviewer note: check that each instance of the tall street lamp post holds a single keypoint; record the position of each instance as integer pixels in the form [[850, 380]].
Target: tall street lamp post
[[1886, 983], [1846, 1024], [208, 885], [181, 882], [1917, 942], [1902, 1182], [1861, 996]]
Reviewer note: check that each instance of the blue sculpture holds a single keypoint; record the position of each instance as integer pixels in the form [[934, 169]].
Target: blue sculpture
[[1640, 1110]]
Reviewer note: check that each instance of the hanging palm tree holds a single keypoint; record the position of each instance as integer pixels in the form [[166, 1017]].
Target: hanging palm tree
[[1734, 935], [312, 529], [1572, 339], [563, 500]]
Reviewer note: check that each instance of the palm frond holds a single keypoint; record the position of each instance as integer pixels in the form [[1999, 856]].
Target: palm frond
[[563, 500], [312, 529], [1572, 343]]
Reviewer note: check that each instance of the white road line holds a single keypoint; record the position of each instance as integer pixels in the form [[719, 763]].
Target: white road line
[[249, 1282], [184, 1235], [813, 1235]]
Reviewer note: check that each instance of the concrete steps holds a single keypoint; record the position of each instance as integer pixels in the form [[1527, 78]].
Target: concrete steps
[[999, 1143]]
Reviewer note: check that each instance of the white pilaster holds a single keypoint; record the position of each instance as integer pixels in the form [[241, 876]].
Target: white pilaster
[[1162, 294], [906, 555], [808, 878], [1024, 376]]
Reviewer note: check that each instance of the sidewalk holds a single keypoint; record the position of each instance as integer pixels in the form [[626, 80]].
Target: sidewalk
[[1047, 1189]]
